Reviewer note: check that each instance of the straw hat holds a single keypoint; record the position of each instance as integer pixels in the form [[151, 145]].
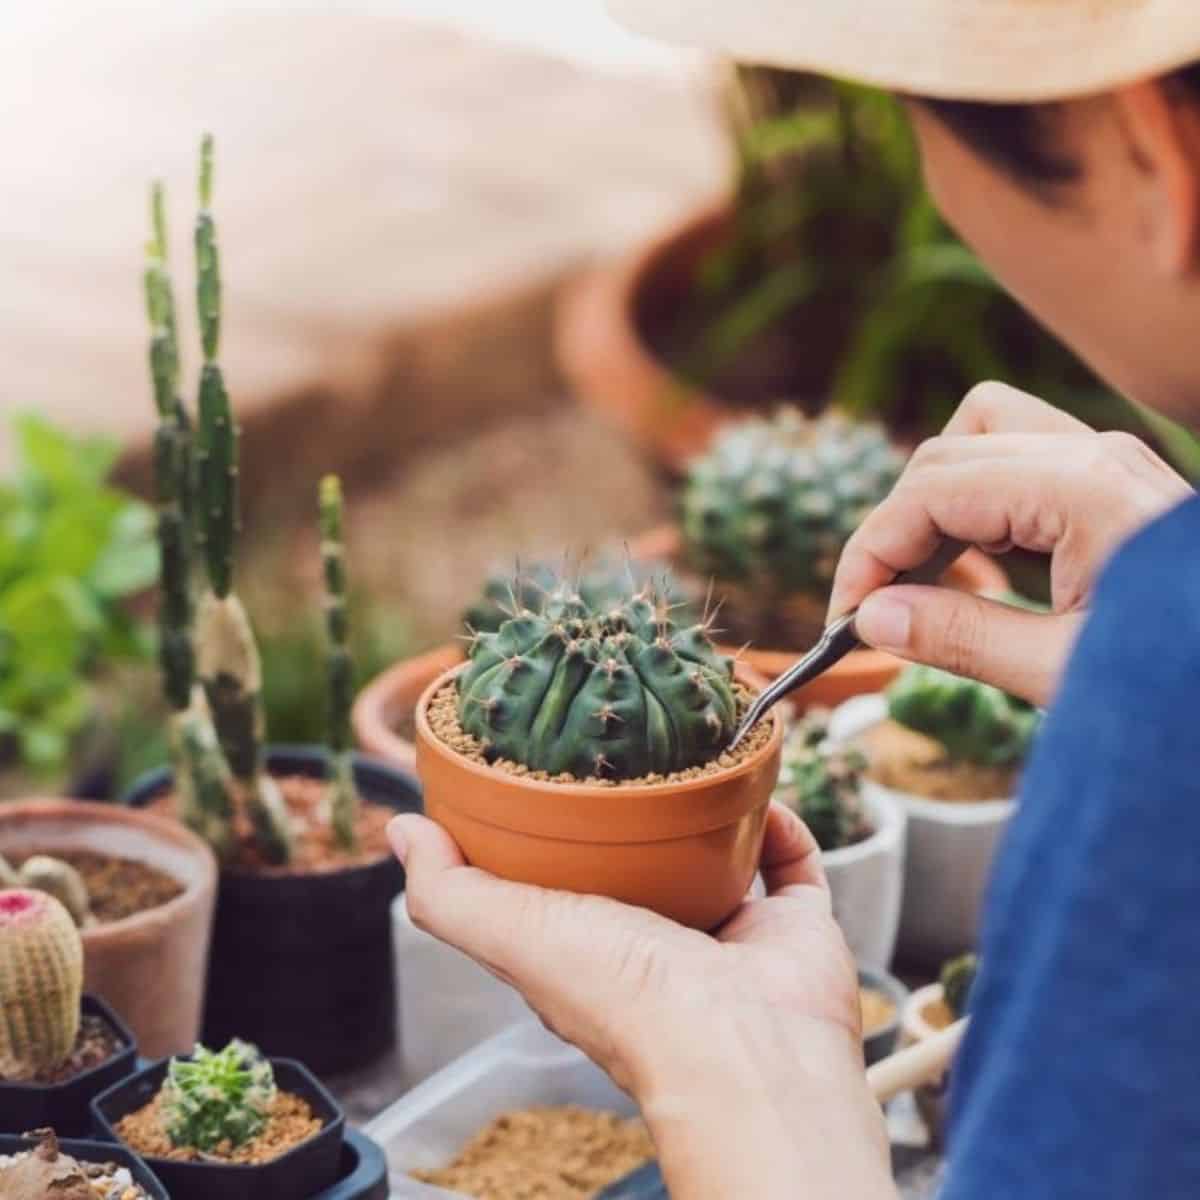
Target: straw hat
[[1015, 50]]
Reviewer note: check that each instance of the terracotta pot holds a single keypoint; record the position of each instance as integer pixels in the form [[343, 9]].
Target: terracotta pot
[[861, 671], [390, 700], [606, 359], [687, 850], [150, 967]]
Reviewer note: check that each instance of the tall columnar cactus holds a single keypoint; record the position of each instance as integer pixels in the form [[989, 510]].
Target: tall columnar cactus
[[957, 979], [343, 795], [974, 722], [771, 505], [227, 654], [821, 782], [615, 693], [41, 982], [217, 1096]]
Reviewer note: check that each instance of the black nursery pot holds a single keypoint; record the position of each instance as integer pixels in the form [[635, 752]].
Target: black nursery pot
[[95, 1152], [302, 965], [362, 1172], [63, 1107], [304, 1171]]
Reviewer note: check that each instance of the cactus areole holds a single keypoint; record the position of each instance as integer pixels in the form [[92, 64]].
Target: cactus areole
[[614, 693]]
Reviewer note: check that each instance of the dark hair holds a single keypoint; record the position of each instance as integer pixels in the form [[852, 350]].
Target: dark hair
[[1019, 138]]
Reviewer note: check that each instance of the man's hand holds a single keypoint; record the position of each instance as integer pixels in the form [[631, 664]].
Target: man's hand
[[743, 1050], [1009, 470]]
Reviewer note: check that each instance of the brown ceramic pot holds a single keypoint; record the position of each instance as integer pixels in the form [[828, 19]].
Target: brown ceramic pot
[[687, 850], [150, 967], [860, 672], [386, 708], [607, 361]]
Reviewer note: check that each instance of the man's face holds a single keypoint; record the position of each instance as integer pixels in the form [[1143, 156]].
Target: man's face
[[1085, 259]]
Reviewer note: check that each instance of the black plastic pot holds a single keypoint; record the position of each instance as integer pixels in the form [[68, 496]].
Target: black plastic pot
[[63, 1107], [883, 1041], [302, 965], [362, 1173], [297, 1175], [96, 1152], [642, 1183]]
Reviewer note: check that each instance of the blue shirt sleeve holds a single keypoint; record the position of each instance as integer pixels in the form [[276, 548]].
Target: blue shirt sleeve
[[1080, 1074]]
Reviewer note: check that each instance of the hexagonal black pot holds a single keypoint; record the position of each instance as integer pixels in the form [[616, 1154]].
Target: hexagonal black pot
[[362, 1173], [96, 1152], [63, 1107], [304, 1170], [302, 965]]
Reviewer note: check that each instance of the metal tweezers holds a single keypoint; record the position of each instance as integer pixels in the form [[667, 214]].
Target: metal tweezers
[[837, 640]]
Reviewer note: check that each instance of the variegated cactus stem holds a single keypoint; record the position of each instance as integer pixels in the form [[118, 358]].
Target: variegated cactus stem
[[231, 673], [343, 798], [203, 782], [41, 984]]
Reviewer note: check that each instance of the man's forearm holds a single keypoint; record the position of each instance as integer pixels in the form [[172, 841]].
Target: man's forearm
[[756, 1113]]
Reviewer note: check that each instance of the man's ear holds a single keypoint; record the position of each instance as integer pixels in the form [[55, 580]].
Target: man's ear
[[1165, 141]]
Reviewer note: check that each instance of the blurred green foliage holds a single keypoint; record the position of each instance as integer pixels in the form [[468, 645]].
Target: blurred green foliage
[[836, 253], [73, 550]]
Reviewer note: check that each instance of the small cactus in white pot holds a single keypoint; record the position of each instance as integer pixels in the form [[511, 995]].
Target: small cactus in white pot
[[950, 752], [862, 835]]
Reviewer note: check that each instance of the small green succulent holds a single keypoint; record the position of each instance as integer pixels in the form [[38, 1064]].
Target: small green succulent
[[217, 1096], [974, 722], [957, 979], [820, 782]]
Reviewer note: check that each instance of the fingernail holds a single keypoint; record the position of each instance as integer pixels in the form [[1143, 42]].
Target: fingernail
[[395, 833], [884, 621]]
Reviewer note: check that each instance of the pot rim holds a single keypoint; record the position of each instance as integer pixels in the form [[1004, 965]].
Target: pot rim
[[593, 789], [912, 1019], [196, 892], [880, 980]]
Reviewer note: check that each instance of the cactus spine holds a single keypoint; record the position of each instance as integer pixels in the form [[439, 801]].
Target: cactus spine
[[613, 693], [343, 795], [41, 983], [227, 655]]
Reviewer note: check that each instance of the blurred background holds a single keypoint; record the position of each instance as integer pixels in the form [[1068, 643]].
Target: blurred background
[[504, 267]]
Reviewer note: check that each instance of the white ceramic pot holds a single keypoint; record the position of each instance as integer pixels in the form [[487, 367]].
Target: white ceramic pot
[[448, 1003], [949, 856], [867, 882]]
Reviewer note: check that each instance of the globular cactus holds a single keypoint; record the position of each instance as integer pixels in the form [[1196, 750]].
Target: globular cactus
[[615, 693], [217, 1097], [821, 782], [773, 502], [60, 880], [957, 978], [343, 800], [974, 722], [41, 983], [598, 583]]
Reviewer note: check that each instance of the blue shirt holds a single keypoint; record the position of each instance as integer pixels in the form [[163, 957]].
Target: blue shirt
[[1080, 1074]]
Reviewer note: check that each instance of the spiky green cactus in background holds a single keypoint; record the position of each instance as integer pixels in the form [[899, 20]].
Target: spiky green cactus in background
[[41, 983], [227, 654], [773, 502], [598, 583], [957, 979], [821, 782], [217, 1096], [974, 722], [59, 879], [343, 795], [615, 693]]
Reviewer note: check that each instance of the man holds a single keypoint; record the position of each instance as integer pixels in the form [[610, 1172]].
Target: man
[[1062, 139]]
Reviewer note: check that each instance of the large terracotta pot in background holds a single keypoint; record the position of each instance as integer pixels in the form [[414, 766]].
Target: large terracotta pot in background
[[386, 708], [150, 967], [687, 850], [860, 672], [606, 359]]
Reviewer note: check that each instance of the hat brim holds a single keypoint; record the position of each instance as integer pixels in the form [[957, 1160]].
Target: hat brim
[[995, 50]]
